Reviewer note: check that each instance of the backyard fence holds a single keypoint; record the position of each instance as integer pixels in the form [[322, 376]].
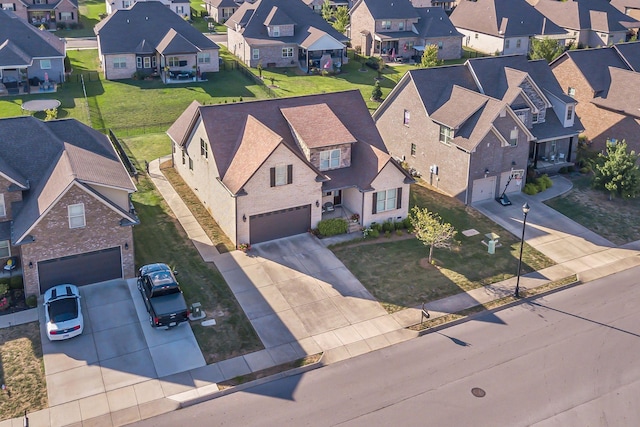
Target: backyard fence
[[138, 130], [248, 74], [90, 76], [128, 164]]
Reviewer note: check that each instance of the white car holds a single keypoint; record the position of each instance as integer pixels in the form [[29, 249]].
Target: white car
[[62, 312]]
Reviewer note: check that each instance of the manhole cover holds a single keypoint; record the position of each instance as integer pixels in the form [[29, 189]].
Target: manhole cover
[[478, 392]]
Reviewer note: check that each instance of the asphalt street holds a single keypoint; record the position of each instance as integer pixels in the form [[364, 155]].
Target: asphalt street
[[567, 359]]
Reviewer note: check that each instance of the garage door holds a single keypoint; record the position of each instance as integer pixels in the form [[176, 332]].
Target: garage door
[[277, 224], [80, 269], [513, 187], [483, 189]]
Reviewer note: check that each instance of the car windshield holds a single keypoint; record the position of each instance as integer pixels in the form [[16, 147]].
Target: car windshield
[[160, 278], [63, 309]]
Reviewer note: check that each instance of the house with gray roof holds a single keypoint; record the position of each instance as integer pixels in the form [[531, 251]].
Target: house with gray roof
[[504, 27], [221, 10], [65, 209], [274, 168], [605, 84], [588, 22], [398, 31], [182, 8], [628, 7], [51, 14], [284, 33], [149, 39], [472, 130], [26, 52]]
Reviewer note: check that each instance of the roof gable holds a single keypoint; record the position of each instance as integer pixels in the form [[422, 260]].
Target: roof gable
[[316, 126], [277, 16], [384, 9], [623, 94], [596, 15], [20, 41]]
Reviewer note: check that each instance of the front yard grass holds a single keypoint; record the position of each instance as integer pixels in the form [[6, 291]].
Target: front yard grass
[[21, 371], [615, 220], [397, 274]]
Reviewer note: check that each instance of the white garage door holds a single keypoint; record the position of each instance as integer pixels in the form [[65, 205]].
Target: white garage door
[[512, 187], [483, 189]]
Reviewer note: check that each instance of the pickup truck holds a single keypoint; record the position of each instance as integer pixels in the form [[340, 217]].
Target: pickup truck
[[162, 296]]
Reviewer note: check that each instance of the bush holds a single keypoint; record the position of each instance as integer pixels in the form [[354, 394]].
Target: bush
[[4, 281], [374, 233], [563, 170], [31, 301], [406, 223], [16, 282], [585, 170], [4, 288], [530, 189], [387, 234], [399, 233], [544, 182], [376, 226], [388, 226], [373, 62], [333, 226]]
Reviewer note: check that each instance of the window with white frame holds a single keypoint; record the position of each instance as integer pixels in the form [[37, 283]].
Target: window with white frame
[[569, 112], [76, 215], [45, 64], [401, 26], [126, 4], [4, 249], [413, 150], [147, 62], [138, 62], [522, 115], [386, 200], [440, 45], [280, 175], [3, 207], [275, 31], [204, 148], [180, 10], [407, 116], [66, 16], [256, 54], [120, 62], [173, 61], [287, 52], [535, 117], [386, 25], [204, 58], [513, 137], [190, 164], [446, 135], [8, 6], [329, 159], [518, 43]]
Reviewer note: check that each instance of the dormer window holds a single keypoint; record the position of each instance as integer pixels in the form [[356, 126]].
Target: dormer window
[[571, 92], [534, 118], [513, 137], [275, 31], [446, 135], [569, 112], [522, 115], [329, 159]]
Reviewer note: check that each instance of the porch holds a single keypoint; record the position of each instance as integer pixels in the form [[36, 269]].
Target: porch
[[16, 81], [550, 166], [329, 211]]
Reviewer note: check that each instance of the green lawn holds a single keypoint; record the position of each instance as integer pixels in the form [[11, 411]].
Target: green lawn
[[90, 11], [396, 273]]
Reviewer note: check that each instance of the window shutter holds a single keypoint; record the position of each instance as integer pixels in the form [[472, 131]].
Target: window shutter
[[399, 198], [273, 176], [375, 203], [72, 16], [289, 174]]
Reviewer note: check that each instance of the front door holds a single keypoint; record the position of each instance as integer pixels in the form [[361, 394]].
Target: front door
[[337, 198]]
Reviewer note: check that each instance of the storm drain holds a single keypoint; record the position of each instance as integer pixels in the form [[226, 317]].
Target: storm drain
[[478, 392]]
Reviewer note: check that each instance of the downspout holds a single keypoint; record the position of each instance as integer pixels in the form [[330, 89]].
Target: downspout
[[466, 192], [362, 208], [236, 217]]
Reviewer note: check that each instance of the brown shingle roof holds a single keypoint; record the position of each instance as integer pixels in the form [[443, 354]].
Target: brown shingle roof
[[623, 94], [317, 126]]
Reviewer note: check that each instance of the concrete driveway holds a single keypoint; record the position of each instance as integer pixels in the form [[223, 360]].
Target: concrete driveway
[[302, 300], [117, 348]]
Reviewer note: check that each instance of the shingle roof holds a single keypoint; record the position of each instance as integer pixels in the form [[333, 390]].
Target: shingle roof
[[630, 53], [622, 5], [174, 43], [20, 41], [503, 18], [434, 22], [317, 126], [252, 18], [389, 9], [593, 64], [597, 15], [222, 3], [152, 22], [623, 93], [52, 155], [277, 16], [440, 80]]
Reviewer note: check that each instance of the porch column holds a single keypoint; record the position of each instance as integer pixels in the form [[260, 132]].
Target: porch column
[[308, 66]]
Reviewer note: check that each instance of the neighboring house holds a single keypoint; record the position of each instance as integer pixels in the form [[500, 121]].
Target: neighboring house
[[504, 27], [150, 39], [588, 22], [181, 7], [400, 31], [316, 5], [221, 10], [472, 130], [65, 209], [50, 13], [605, 84], [283, 33], [628, 7], [27, 52], [274, 168]]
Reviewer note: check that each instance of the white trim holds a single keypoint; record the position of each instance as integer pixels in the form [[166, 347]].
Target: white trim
[[8, 248], [3, 206]]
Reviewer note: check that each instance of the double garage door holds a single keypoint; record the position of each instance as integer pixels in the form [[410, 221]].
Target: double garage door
[[278, 224], [81, 269]]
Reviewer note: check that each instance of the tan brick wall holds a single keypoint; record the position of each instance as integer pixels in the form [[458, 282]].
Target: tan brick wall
[[345, 155], [54, 238], [66, 6], [112, 73], [361, 20], [388, 178], [9, 198]]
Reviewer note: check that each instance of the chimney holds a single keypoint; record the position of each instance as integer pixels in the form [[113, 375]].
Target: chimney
[[544, 24]]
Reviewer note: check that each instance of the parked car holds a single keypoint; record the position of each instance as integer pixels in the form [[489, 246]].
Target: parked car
[[62, 312], [162, 296]]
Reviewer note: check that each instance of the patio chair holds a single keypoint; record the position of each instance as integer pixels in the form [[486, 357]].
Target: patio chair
[[11, 264], [328, 207]]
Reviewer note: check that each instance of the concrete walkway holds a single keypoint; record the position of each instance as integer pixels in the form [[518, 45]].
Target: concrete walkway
[[575, 249]]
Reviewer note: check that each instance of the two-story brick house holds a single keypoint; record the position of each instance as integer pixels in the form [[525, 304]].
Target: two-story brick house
[[400, 31], [273, 168], [50, 13], [284, 33], [182, 8], [473, 129], [65, 210]]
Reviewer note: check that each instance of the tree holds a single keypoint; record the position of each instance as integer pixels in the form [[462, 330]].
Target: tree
[[431, 230], [326, 11], [430, 57], [547, 49], [617, 171], [376, 93], [341, 19]]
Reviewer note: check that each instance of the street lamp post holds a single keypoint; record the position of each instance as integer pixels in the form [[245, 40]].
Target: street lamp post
[[525, 211]]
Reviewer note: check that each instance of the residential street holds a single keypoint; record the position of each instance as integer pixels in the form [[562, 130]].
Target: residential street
[[567, 359]]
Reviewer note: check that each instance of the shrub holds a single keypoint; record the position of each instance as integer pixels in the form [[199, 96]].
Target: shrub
[[333, 226], [387, 234], [373, 62], [585, 170], [4, 288], [571, 169], [530, 189], [406, 223], [563, 170], [16, 282], [374, 233], [544, 182], [399, 233], [4, 281], [376, 226], [31, 301], [388, 226]]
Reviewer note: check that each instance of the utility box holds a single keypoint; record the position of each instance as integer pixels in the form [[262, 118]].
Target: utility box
[[196, 311], [492, 240]]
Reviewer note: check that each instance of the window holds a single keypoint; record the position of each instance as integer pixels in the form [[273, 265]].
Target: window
[[413, 150], [147, 62], [184, 157], [287, 52], [180, 10], [204, 148], [8, 6], [45, 64], [522, 115], [513, 137], [506, 43], [173, 61], [275, 31], [401, 26], [281, 175], [329, 159], [446, 135], [3, 207], [204, 58], [386, 25], [4, 249], [476, 35], [387, 200], [256, 53], [569, 112], [76, 215], [126, 4], [518, 43], [119, 62], [66, 16], [571, 92], [138, 62], [190, 164], [440, 45], [406, 117], [534, 118]]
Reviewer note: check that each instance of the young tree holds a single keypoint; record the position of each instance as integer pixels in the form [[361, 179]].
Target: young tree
[[431, 230], [429, 57], [326, 11], [617, 172], [376, 93], [341, 19], [547, 49]]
